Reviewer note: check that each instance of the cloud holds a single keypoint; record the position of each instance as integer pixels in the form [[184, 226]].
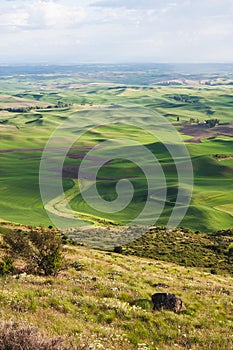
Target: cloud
[[117, 30], [52, 14], [41, 14], [14, 19], [130, 4]]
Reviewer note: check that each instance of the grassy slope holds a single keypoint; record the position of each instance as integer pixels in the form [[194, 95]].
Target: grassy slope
[[107, 303], [182, 246]]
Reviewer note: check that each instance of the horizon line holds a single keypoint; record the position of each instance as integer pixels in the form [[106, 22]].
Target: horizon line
[[4, 64]]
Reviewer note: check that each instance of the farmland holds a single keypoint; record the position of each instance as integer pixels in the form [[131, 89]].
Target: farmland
[[33, 106]]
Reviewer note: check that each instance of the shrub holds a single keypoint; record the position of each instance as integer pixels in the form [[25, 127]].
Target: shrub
[[14, 336], [118, 249], [41, 250], [78, 266], [6, 266]]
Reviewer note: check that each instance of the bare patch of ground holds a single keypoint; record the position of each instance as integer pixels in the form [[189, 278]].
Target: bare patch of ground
[[19, 102], [200, 132], [19, 150], [8, 127], [72, 172]]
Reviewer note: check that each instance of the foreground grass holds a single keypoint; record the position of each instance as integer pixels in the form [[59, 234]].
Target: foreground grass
[[104, 303]]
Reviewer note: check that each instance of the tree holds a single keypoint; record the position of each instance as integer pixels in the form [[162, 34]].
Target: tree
[[40, 250], [211, 123]]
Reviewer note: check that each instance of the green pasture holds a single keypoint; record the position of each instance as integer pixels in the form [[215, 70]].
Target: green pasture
[[20, 199]]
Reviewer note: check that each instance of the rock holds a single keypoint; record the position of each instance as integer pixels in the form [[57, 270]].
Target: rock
[[167, 301]]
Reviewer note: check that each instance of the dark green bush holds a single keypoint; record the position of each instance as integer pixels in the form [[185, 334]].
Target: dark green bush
[[40, 250], [118, 249], [78, 266], [6, 266]]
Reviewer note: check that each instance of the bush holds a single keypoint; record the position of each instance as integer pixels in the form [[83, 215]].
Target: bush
[[40, 250], [6, 266], [78, 266], [14, 336], [118, 249]]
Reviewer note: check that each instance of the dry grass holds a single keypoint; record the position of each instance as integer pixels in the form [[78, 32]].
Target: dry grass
[[16, 336], [106, 305]]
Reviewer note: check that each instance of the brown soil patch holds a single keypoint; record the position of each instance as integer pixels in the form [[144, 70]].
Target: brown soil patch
[[19, 150], [19, 102], [8, 127], [22, 150], [200, 132], [72, 172]]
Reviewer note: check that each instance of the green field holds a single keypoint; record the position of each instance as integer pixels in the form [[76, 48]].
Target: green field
[[24, 134]]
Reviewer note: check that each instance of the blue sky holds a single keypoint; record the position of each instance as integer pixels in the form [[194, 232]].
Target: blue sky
[[68, 31]]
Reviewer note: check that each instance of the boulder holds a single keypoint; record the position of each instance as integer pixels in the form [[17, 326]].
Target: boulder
[[167, 301]]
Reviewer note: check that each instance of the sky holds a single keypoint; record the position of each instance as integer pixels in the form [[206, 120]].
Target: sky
[[116, 31]]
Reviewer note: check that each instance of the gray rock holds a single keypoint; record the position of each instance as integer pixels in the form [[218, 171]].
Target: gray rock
[[167, 301]]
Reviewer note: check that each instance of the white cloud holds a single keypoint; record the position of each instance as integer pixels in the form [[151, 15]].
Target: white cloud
[[54, 14], [117, 30], [14, 19], [42, 14], [130, 4]]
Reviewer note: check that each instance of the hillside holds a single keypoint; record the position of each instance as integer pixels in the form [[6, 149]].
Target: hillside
[[103, 302], [182, 246], [35, 106], [168, 139]]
